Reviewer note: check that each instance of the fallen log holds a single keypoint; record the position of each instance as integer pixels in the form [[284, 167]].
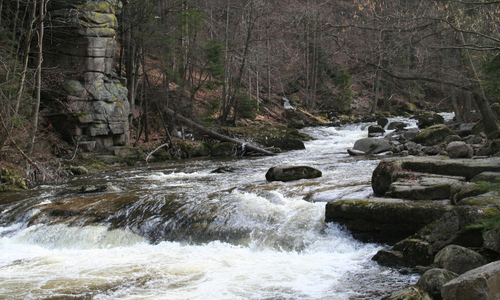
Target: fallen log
[[215, 135]]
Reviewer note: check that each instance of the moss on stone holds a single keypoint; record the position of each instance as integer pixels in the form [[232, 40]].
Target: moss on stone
[[10, 180]]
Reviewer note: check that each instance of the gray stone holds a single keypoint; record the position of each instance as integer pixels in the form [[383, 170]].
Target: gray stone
[[410, 293], [465, 129], [396, 125], [459, 150], [482, 283], [81, 44], [467, 168], [452, 138], [292, 173], [353, 152], [492, 239], [458, 259], [433, 280], [372, 145], [427, 119], [390, 258], [382, 122], [127, 152], [411, 133], [487, 177], [384, 219], [417, 186], [375, 131]]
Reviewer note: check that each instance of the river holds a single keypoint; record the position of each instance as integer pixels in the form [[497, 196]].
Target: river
[[184, 232]]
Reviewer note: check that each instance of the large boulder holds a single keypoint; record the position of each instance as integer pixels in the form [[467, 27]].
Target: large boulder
[[292, 173], [427, 119], [383, 219], [433, 280], [482, 283], [389, 169], [458, 259], [492, 239], [373, 145], [433, 135], [459, 149]]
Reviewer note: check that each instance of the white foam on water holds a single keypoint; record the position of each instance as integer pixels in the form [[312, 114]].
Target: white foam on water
[[175, 271]]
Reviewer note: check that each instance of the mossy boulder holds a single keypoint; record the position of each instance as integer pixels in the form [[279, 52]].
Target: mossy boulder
[[383, 219], [427, 119], [277, 136], [409, 293], [224, 149], [433, 280], [458, 259], [433, 135]]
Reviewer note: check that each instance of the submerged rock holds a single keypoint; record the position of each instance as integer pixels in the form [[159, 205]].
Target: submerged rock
[[292, 173], [98, 189]]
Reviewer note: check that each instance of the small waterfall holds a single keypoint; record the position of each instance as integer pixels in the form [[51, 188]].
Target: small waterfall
[[179, 231]]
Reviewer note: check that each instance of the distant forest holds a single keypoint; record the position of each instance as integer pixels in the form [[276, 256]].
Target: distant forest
[[217, 61]]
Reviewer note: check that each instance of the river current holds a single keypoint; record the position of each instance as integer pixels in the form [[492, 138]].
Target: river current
[[189, 233]]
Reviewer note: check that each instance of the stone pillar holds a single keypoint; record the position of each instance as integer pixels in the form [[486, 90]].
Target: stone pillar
[[80, 47]]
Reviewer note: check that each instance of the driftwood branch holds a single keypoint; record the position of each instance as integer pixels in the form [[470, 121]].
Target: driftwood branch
[[152, 152], [216, 135]]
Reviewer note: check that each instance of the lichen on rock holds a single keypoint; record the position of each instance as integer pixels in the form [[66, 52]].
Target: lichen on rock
[[80, 45]]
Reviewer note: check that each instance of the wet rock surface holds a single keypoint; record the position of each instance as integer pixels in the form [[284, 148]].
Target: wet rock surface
[[292, 173]]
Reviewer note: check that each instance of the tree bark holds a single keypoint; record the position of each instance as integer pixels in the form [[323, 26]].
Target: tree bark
[[490, 122], [38, 73], [216, 135]]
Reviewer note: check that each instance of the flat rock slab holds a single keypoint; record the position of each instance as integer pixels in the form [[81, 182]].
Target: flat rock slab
[[424, 187], [453, 167], [389, 169], [385, 219]]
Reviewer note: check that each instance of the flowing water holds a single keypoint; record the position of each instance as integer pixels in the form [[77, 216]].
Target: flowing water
[[179, 231]]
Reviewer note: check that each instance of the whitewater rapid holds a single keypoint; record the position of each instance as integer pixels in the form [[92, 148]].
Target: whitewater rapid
[[189, 233]]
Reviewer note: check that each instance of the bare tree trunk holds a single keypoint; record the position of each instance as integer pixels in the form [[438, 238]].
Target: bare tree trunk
[[27, 48], [490, 122], [377, 88], [216, 135], [38, 74]]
